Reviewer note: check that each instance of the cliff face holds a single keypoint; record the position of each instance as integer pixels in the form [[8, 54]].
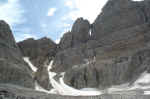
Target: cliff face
[[12, 67], [116, 52]]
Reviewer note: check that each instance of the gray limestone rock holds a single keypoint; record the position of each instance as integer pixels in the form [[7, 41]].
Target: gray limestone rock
[[13, 69]]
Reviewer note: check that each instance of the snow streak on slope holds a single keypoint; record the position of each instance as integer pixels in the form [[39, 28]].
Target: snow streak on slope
[[144, 79], [74, 92], [64, 89], [27, 60]]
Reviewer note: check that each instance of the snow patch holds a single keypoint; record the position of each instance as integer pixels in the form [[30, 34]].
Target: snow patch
[[143, 82], [63, 89], [90, 32], [146, 92], [122, 87], [50, 65], [39, 88], [144, 79], [75, 92], [27, 60], [89, 89]]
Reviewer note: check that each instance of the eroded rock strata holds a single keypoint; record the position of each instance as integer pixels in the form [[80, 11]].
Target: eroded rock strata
[[113, 50]]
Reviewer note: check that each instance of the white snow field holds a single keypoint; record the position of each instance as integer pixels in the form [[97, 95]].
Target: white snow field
[[143, 82], [27, 60]]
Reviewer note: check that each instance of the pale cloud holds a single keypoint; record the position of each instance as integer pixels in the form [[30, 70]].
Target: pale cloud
[[25, 36], [51, 11], [70, 4], [88, 9], [11, 12], [22, 37]]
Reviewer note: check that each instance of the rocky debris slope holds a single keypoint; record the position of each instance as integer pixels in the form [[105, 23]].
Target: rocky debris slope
[[12, 67], [15, 92]]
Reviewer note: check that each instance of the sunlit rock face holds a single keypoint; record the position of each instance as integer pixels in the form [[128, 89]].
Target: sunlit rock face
[[13, 69]]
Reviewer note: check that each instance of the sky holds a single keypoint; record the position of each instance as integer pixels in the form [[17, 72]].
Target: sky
[[46, 18]]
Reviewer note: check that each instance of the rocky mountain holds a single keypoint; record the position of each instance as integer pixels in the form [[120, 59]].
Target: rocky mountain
[[13, 69], [115, 53], [112, 51]]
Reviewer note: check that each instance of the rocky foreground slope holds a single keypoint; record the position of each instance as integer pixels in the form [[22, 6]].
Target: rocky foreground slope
[[113, 51]]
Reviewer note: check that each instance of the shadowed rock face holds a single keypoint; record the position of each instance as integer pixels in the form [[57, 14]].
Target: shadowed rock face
[[12, 68], [40, 53], [118, 15], [80, 31]]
